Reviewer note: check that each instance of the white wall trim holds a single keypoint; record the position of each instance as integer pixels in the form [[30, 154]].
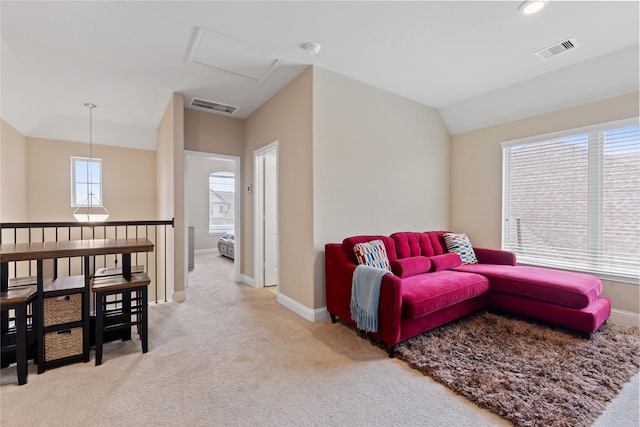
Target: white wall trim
[[238, 204], [205, 251], [312, 315], [179, 296], [625, 317], [248, 280]]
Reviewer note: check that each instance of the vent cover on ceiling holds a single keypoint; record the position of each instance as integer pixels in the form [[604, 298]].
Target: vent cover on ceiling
[[213, 106], [557, 48]]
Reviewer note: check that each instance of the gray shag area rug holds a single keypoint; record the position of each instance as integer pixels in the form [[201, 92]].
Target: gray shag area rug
[[530, 373]]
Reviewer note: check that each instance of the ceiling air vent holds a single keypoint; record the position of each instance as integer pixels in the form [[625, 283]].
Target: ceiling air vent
[[213, 106], [557, 48]]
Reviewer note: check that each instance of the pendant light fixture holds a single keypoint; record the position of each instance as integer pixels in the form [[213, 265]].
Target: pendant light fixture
[[91, 209]]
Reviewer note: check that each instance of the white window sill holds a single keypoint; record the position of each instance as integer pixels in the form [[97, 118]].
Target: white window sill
[[220, 232], [622, 277]]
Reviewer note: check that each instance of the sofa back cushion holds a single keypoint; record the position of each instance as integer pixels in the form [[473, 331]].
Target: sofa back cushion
[[445, 262], [350, 242], [411, 244]]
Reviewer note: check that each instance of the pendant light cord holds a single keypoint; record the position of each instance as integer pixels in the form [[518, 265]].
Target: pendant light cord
[[90, 106]]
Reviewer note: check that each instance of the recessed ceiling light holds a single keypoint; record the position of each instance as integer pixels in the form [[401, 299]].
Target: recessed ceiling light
[[312, 48], [530, 7]]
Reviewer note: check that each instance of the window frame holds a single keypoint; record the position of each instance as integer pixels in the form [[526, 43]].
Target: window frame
[[93, 183], [595, 177], [215, 229]]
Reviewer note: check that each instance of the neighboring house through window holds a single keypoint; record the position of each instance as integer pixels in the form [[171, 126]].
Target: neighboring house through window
[[86, 182], [221, 202], [572, 200]]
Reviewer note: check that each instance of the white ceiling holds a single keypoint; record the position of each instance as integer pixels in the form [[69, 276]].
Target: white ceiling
[[472, 60]]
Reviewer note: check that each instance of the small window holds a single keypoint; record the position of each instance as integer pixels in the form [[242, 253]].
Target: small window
[[86, 182], [221, 202]]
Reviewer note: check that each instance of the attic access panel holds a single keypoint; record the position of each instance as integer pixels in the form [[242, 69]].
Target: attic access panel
[[232, 56]]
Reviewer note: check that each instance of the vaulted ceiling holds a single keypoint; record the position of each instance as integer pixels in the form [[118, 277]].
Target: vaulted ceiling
[[474, 61]]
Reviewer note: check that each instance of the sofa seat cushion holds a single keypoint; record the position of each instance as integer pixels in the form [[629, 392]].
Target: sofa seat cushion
[[430, 292], [575, 290]]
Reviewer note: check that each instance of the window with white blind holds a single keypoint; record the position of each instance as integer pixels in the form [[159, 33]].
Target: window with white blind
[[571, 200], [221, 202]]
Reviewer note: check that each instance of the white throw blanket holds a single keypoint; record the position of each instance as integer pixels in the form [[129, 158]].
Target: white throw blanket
[[365, 296]]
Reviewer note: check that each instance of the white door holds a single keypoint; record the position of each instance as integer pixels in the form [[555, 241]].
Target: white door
[[266, 244], [270, 219]]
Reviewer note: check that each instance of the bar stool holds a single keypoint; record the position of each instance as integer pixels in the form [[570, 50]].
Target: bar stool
[[121, 303], [15, 338]]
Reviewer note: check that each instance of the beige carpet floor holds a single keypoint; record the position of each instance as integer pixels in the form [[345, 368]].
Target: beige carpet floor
[[231, 355]]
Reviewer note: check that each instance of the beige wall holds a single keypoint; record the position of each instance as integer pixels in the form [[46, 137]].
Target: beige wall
[[128, 177], [286, 117], [380, 164], [180, 224], [213, 133], [170, 183], [476, 175], [333, 133], [13, 174]]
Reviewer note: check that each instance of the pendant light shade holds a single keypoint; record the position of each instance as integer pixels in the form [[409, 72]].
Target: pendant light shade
[[91, 209], [85, 215]]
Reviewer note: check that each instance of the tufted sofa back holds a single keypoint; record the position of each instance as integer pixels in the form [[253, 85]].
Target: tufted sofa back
[[410, 244], [401, 245]]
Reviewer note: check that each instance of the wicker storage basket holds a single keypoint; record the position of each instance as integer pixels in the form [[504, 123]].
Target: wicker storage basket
[[63, 343], [63, 309]]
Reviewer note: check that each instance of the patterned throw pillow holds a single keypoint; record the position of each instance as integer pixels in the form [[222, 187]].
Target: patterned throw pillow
[[460, 244], [372, 253]]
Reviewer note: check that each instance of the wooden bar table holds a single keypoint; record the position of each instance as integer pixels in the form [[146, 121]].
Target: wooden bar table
[[65, 338]]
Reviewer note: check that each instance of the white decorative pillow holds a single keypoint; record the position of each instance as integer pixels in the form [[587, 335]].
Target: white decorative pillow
[[372, 253], [458, 243]]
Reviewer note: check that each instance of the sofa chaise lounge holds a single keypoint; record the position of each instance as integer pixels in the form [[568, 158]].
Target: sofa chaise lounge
[[428, 287]]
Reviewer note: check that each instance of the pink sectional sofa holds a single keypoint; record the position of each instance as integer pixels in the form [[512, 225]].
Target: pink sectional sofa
[[426, 289]]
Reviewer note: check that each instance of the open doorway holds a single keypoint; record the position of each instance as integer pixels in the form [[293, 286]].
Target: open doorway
[[266, 214], [212, 206]]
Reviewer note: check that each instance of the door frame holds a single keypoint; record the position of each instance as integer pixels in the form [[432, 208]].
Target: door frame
[[258, 214], [237, 200]]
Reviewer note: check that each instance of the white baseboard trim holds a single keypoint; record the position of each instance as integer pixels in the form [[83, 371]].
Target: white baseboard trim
[[625, 317], [320, 314], [293, 305], [248, 280], [205, 251], [312, 315], [621, 317], [179, 296]]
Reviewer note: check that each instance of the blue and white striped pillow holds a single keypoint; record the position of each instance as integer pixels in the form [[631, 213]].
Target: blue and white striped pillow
[[458, 243], [372, 253]]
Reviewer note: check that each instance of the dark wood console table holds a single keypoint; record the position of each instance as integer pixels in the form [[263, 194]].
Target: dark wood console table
[[63, 333]]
